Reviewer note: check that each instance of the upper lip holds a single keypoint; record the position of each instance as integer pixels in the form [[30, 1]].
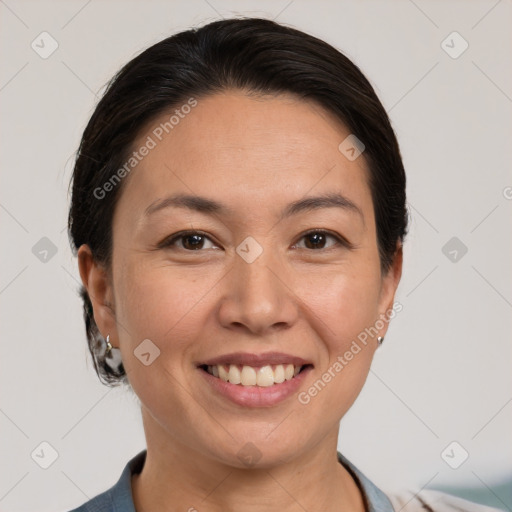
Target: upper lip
[[249, 359]]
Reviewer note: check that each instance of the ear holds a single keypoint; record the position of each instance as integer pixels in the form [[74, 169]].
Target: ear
[[389, 284], [97, 283]]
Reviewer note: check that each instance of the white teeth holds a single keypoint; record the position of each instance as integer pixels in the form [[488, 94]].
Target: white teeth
[[288, 371], [234, 374], [223, 374], [264, 376], [248, 376], [279, 374]]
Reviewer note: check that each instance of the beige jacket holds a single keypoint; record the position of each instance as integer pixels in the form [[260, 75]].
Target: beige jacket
[[434, 501]]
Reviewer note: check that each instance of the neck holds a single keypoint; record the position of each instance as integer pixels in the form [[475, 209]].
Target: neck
[[177, 477]]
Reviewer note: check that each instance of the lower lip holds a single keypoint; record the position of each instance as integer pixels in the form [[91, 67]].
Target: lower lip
[[256, 396]]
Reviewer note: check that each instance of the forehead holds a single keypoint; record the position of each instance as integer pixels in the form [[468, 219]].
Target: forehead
[[248, 150]]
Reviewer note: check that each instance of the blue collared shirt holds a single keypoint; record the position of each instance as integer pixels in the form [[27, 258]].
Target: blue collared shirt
[[119, 497]]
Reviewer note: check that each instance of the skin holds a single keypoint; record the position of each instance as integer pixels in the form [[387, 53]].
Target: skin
[[255, 155]]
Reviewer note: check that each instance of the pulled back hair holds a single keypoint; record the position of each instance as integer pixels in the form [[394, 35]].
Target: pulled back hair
[[250, 54]]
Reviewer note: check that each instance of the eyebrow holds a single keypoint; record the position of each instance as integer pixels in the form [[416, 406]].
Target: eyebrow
[[211, 207]]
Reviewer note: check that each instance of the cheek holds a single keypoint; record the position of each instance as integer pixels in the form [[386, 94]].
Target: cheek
[[164, 306], [346, 308], [346, 301], [170, 306]]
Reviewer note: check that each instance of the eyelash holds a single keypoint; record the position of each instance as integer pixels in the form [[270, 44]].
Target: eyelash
[[340, 241]]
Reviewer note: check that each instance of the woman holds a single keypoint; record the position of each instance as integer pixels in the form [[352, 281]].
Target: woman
[[238, 213]]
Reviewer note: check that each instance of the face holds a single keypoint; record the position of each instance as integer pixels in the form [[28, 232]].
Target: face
[[255, 273]]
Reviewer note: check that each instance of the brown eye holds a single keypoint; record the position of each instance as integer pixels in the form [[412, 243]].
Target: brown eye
[[318, 239], [190, 241], [193, 242], [315, 240]]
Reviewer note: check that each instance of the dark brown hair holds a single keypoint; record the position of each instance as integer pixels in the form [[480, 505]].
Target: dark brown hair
[[251, 54]]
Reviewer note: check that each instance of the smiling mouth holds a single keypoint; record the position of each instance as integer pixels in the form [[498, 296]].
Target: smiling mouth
[[262, 376]]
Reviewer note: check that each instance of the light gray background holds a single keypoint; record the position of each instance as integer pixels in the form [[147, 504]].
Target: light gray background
[[443, 373]]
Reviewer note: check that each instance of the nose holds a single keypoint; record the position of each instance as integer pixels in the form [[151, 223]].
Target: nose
[[258, 297]]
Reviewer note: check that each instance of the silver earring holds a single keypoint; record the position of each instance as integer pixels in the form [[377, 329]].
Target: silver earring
[[380, 339], [109, 345]]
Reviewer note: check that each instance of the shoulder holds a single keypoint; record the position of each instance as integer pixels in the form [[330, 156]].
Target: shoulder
[[434, 501], [101, 503], [119, 497]]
